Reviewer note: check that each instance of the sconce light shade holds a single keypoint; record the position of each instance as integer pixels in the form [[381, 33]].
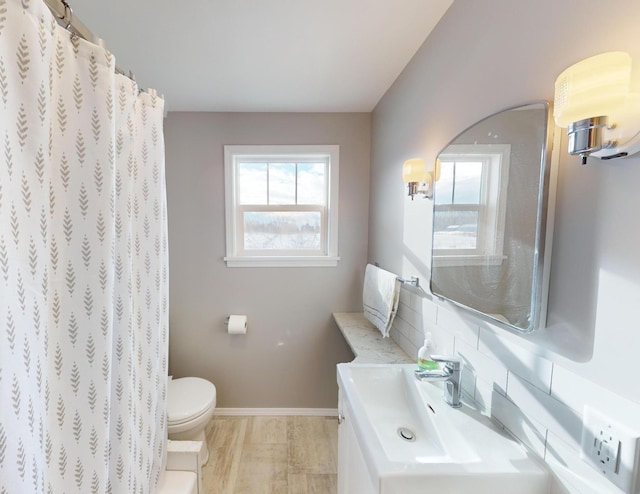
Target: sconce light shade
[[414, 170], [418, 177], [593, 100], [592, 87]]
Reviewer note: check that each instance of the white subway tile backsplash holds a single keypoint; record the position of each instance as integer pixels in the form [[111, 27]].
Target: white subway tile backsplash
[[416, 301], [418, 338], [535, 369], [429, 311], [402, 308], [400, 324], [468, 381], [458, 326], [529, 431], [484, 396], [403, 342], [412, 318], [405, 297], [415, 336], [413, 296], [577, 392], [574, 474], [555, 415], [484, 367], [468, 374], [444, 341]]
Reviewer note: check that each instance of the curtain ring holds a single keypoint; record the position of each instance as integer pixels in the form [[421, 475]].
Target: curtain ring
[[67, 9]]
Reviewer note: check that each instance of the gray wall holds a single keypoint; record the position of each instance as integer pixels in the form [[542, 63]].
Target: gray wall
[[287, 358], [485, 56]]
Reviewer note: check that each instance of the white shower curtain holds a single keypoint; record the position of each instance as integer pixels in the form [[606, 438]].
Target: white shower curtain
[[83, 266]]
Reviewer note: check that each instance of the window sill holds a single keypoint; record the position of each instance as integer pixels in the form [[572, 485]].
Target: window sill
[[281, 262], [469, 260]]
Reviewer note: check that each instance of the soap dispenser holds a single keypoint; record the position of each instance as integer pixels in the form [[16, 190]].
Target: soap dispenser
[[424, 355]]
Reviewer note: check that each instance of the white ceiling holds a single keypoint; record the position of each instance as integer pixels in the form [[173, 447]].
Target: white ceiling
[[264, 55]]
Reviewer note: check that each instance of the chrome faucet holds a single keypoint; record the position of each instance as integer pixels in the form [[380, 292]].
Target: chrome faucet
[[449, 374]]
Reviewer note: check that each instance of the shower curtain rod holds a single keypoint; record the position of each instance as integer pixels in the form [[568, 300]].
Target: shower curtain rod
[[64, 14]]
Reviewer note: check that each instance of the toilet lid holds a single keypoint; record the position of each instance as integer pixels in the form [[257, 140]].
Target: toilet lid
[[189, 397]]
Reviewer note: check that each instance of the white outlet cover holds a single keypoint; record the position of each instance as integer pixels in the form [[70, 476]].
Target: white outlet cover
[[595, 426]]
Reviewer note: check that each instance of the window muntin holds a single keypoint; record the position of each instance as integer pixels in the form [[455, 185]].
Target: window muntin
[[281, 205]]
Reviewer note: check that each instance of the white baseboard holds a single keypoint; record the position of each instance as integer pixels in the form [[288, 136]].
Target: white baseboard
[[315, 412]]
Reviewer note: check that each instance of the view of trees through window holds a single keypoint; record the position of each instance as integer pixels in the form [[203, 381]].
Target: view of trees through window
[[283, 205], [280, 230], [458, 200]]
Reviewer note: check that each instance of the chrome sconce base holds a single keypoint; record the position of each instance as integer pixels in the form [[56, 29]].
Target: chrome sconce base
[[585, 137], [424, 189], [587, 91], [419, 177], [596, 137]]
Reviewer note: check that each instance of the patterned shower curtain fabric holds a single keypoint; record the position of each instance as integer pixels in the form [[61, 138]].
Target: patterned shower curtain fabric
[[83, 266]]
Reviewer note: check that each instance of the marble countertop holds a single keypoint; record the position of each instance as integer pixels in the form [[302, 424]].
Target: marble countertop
[[367, 343]]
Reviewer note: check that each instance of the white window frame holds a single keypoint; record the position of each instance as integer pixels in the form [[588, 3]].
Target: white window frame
[[235, 255], [492, 209]]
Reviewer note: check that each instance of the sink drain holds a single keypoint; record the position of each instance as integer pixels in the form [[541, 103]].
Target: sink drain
[[406, 434]]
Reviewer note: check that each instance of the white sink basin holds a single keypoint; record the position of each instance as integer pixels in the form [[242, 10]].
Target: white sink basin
[[453, 450]]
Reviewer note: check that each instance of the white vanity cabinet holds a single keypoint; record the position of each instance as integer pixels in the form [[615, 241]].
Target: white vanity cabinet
[[353, 474]]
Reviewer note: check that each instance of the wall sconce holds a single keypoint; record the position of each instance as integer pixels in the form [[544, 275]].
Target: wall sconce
[[420, 179], [594, 102]]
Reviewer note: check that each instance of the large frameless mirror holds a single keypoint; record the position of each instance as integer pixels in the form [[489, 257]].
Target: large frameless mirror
[[492, 218]]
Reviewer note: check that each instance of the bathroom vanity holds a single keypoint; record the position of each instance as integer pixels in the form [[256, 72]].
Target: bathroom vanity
[[396, 435]]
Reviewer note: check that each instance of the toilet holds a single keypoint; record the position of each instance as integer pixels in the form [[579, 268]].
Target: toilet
[[190, 405]]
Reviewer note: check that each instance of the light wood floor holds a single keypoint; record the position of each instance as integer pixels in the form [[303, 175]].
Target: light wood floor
[[271, 455]]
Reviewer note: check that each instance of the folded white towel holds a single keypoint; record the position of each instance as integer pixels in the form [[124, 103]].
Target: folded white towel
[[380, 297]]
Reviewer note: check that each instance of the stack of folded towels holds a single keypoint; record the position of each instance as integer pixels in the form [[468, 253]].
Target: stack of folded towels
[[380, 297]]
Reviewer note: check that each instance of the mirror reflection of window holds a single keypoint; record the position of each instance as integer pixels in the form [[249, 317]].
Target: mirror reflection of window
[[470, 204], [458, 205]]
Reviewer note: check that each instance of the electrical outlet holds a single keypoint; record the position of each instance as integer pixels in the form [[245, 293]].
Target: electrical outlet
[[605, 451], [612, 449]]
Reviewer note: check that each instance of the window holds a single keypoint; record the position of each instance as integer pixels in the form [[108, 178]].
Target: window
[[470, 205], [281, 205]]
